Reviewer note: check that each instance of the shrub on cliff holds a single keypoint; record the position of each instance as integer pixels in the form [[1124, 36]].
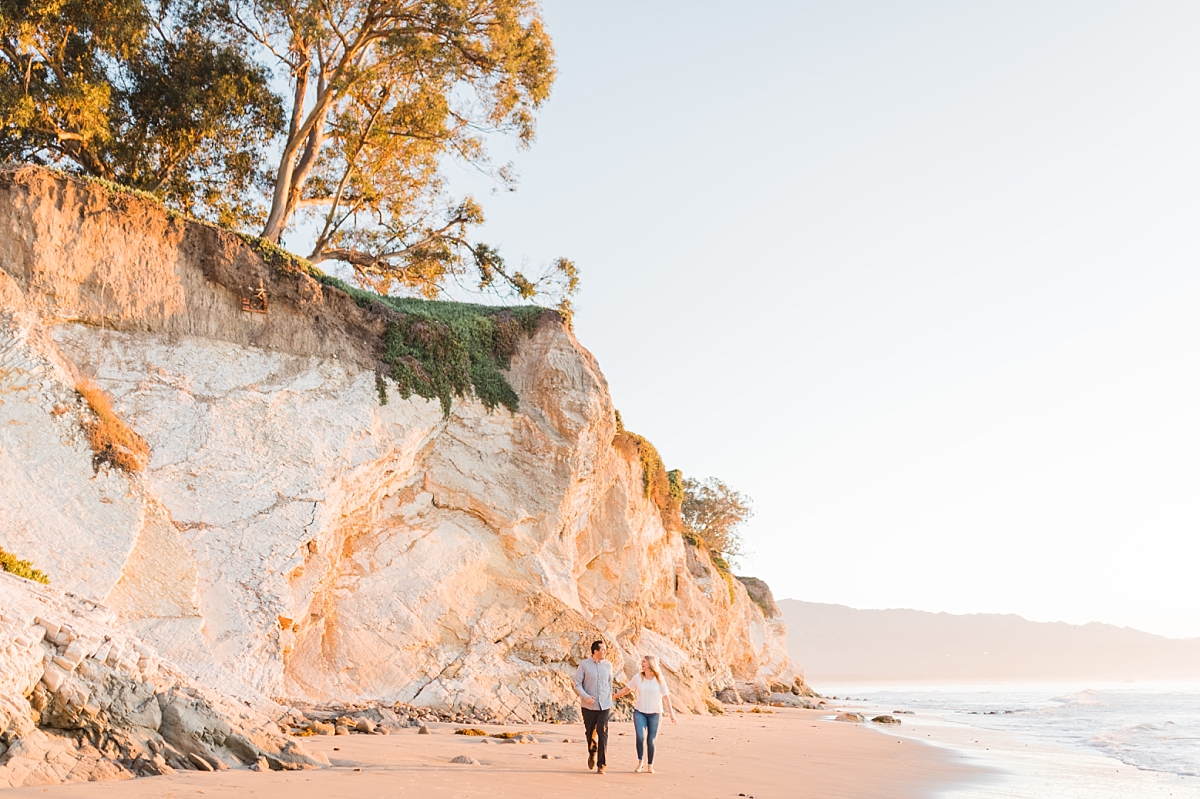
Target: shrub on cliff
[[112, 441], [661, 487], [22, 568], [445, 350], [713, 512]]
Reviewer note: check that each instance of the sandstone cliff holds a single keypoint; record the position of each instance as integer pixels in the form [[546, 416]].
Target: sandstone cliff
[[291, 537]]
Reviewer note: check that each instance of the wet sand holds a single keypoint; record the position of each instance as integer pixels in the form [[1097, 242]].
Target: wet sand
[[788, 753]]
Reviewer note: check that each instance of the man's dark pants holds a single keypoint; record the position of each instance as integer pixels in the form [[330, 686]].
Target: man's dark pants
[[595, 727]]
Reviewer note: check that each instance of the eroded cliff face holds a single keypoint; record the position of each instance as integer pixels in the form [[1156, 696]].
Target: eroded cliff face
[[291, 537]]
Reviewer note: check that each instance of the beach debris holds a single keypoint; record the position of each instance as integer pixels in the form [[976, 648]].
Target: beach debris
[[383, 719], [886, 720], [902, 713], [520, 736], [466, 760], [470, 731], [855, 718], [424, 730]]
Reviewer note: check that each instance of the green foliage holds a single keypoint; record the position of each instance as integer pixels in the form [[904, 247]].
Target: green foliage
[[22, 568], [289, 263], [675, 486], [118, 188], [713, 512], [384, 95], [657, 483], [459, 353], [725, 572], [442, 350], [137, 92], [381, 388]]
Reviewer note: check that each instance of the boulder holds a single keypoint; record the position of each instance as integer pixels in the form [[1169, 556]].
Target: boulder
[[729, 696], [112, 688], [886, 720]]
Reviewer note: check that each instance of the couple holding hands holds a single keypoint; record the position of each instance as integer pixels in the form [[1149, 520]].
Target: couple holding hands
[[594, 682]]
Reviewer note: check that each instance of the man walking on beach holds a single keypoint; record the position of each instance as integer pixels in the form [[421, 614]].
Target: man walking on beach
[[593, 683]]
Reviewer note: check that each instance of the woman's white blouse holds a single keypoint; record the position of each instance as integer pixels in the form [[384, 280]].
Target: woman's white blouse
[[649, 693]]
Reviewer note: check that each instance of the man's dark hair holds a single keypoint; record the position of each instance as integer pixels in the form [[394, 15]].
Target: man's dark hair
[[596, 645]]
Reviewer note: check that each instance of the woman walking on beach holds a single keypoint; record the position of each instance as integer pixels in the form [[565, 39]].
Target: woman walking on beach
[[650, 692]]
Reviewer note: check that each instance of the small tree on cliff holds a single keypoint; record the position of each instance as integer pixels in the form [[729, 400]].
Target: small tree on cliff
[[713, 512], [137, 93], [381, 92]]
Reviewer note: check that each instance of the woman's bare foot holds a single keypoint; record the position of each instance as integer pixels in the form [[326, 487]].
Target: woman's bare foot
[[641, 766], [650, 769]]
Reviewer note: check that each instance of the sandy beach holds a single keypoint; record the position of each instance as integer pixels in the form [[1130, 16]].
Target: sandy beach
[[788, 753]]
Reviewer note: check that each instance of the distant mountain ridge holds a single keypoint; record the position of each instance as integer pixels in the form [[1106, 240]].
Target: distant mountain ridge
[[839, 644]]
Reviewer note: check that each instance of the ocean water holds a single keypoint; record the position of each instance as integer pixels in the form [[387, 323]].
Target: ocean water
[[1053, 741]]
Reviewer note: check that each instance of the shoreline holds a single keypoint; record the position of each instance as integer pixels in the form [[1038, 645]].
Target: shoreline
[[1014, 761], [783, 753]]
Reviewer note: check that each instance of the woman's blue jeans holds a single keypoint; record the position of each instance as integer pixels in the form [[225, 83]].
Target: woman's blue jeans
[[645, 725]]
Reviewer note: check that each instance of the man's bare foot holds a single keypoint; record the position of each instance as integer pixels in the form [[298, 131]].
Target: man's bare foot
[[591, 759], [600, 770]]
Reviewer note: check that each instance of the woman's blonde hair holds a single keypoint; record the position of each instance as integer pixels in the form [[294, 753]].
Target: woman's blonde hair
[[652, 662]]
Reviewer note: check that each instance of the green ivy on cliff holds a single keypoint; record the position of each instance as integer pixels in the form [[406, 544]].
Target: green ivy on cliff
[[433, 348], [22, 568], [443, 350]]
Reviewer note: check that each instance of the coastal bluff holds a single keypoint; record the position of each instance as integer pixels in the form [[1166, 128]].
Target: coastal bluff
[[290, 537]]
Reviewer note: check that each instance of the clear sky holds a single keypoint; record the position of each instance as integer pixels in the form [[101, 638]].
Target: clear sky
[[919, 277]]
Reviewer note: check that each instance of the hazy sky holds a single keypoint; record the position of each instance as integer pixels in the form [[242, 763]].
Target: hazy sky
[[921, 278]]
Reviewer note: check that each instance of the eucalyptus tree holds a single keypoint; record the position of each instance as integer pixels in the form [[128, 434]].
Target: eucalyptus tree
[[381, 93], [139, 93]]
